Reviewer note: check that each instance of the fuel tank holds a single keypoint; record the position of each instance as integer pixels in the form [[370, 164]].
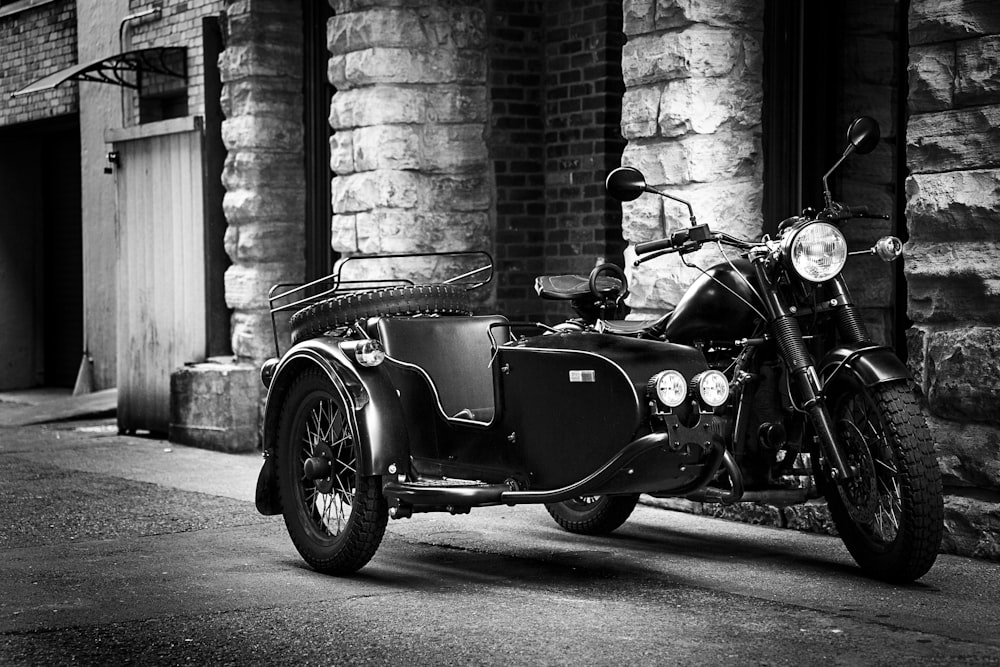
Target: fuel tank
[[572, 401], [710, 311]]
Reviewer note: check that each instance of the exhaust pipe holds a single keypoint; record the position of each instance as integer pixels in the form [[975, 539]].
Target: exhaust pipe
[[713, 494]]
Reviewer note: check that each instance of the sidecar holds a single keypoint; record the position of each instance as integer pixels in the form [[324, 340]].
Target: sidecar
[[395, 399]]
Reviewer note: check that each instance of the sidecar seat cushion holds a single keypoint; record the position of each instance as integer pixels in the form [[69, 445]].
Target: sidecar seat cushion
[[455, 352]]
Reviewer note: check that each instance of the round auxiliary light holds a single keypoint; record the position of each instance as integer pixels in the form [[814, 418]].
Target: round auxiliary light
[[712, 387], [817, 251], [669, 387]]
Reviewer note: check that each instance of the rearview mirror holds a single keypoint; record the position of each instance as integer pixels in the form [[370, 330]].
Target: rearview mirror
[[863, 134], [626, 183]]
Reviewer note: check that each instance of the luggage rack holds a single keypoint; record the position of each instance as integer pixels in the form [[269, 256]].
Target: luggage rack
[[292, 297]]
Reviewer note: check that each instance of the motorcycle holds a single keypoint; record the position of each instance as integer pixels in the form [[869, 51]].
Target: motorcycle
[[807, 384], [393, 399]]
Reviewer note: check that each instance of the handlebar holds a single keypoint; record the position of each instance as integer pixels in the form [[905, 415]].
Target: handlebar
[[844, 212], [688, 237]]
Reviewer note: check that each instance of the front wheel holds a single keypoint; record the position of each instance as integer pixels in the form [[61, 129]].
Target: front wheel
[[593, 515], [335, 516], [890, 515]]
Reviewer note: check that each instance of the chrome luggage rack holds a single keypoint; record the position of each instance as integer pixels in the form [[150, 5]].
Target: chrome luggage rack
[[292, 297]]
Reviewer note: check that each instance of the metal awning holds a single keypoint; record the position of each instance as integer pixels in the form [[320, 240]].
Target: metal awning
[[168, 60]]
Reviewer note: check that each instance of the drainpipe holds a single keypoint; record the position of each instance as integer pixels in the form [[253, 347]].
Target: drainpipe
[[152, 12]]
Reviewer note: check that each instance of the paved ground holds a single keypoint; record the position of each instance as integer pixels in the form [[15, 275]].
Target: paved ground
[[124, 550]]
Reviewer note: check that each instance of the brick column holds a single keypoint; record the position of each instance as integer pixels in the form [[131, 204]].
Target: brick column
[[691, 115], [953, 255]]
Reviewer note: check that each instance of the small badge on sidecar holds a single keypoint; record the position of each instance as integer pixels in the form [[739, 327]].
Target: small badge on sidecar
[[582, 376]]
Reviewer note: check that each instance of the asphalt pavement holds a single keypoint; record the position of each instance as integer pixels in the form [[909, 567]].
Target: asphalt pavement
[[131, 550]]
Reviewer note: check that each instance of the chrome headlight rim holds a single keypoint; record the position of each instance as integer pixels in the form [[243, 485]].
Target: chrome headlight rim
[[669, 387], [711, 387], [810, 267]]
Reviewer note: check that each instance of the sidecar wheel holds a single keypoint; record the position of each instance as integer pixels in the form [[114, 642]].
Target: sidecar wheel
[[891, 516], [593, 515], [335, 516], [346, 309]]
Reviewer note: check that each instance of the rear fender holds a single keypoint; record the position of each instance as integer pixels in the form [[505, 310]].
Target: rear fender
[[870, 364], [373, 404]]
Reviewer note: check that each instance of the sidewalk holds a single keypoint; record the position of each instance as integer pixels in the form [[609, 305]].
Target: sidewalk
[[37, 406], [94, 446]]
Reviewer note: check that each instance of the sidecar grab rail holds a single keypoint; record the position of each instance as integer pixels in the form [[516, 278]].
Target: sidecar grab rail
[[293, 296]]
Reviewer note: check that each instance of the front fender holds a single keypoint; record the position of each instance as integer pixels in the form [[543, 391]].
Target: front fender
[[373, 406], [871, 364]]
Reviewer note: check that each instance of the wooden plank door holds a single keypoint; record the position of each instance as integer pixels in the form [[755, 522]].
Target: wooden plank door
[[161, 265]]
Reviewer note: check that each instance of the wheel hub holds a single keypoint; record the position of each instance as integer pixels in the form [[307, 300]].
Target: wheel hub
[[860, 492], [319, 467]]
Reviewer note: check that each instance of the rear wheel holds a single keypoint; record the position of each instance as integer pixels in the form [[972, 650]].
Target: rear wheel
[[335, 516], [890, 514], [593, 515]]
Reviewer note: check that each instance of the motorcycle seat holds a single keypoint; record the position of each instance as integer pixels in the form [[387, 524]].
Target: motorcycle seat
[[652, 327], [568, 287]]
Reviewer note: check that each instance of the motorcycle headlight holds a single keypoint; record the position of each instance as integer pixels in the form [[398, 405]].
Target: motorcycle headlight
[[712, 387], [669, 387], [817, 252]]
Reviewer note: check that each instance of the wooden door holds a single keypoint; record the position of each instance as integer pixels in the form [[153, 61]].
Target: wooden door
[[161, 265]]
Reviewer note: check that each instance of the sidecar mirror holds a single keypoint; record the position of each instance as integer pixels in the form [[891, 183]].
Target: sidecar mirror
[[626, 183], [863, 134]]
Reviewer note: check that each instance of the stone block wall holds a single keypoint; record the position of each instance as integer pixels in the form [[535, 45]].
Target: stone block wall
[[264, 203], [409, 117], [24, 61], [691, 115], [953, 254]]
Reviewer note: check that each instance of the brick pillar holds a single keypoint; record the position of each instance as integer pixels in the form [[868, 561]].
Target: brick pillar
[[409, 118], [583, 140], [953, 255], [691, 115]]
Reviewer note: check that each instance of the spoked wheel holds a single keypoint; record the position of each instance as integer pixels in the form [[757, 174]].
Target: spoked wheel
[[890, 514], [593, 515], [335, 517]]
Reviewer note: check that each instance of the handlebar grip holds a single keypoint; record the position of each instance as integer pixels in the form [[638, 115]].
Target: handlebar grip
[[652, 246], [676, 240]]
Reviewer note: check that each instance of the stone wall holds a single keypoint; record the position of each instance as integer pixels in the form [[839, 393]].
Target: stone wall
[[691, 115], [409, 116], [25, 60], [264, 203], [953, 254]]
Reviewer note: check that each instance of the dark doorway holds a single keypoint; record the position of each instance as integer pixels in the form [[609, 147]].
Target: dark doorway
[[41, 254], [62, 259]]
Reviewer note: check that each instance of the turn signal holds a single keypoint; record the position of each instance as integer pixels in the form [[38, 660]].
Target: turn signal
[[888, 248], [368, 352]]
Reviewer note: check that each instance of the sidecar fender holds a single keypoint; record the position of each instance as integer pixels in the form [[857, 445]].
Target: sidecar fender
[[871, 364], [373, 404]]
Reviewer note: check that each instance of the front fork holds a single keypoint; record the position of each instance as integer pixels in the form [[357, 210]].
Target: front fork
[[802, 371]]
